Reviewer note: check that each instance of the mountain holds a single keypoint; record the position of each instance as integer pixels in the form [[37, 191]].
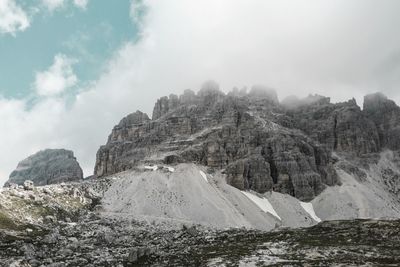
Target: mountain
[[214, 178], [246, 135], [342, 159], [45, 167]]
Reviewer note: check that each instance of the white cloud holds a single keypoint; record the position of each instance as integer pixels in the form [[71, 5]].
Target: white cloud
[[136, 11], [25, 131], [81, 3], [53, 4], [12, 17], [337, 48], [57, 78]]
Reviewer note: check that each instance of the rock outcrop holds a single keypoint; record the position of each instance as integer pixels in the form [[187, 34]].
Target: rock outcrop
[[49, 166], [260, 144], [386, 116], [342, 127], [235, 133]]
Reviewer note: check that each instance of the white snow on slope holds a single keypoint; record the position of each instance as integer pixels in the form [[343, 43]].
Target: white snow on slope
[[290, 210], [154, 168], [204, 176], [308, 207], [262, 203], [170, 169]]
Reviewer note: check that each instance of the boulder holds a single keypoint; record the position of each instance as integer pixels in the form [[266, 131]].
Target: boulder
[[28, 185]]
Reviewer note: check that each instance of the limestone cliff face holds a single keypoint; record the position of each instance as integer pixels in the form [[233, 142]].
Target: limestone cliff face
[[49, 166], [386, 116], [342, 127], [259, 143]]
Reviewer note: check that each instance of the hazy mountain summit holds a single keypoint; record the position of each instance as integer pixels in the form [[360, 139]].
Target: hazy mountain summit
[[259, 143], [48, 166]]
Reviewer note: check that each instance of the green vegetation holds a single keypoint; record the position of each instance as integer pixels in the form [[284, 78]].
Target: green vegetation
[[16, 213], [7, 223]]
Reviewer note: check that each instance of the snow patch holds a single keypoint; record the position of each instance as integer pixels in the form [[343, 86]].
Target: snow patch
[[154, 168], [170, 169], [204, 176], [308, 207], [262, 203]]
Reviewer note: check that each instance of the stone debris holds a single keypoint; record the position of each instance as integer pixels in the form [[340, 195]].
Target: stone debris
[[28, 185], [94, 241]]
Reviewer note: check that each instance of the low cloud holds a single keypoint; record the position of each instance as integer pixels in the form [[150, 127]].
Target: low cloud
[[53, 5], [81, 3], [25, 131], [57, 78], [12, 17]]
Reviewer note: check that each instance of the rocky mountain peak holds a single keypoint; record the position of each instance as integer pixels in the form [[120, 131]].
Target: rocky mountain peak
[[377, 101], [209, 94], [239, 133], [263, 92], [259, 143], [293, 102], [164, 105], [209, 88], [187, 97], [137, 117], [48, 166], [386, 116]]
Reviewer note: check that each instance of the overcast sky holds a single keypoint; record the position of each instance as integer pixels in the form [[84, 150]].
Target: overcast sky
[[115, 60]]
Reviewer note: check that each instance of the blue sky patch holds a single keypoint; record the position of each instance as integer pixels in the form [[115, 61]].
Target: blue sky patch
[[89, 36]]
